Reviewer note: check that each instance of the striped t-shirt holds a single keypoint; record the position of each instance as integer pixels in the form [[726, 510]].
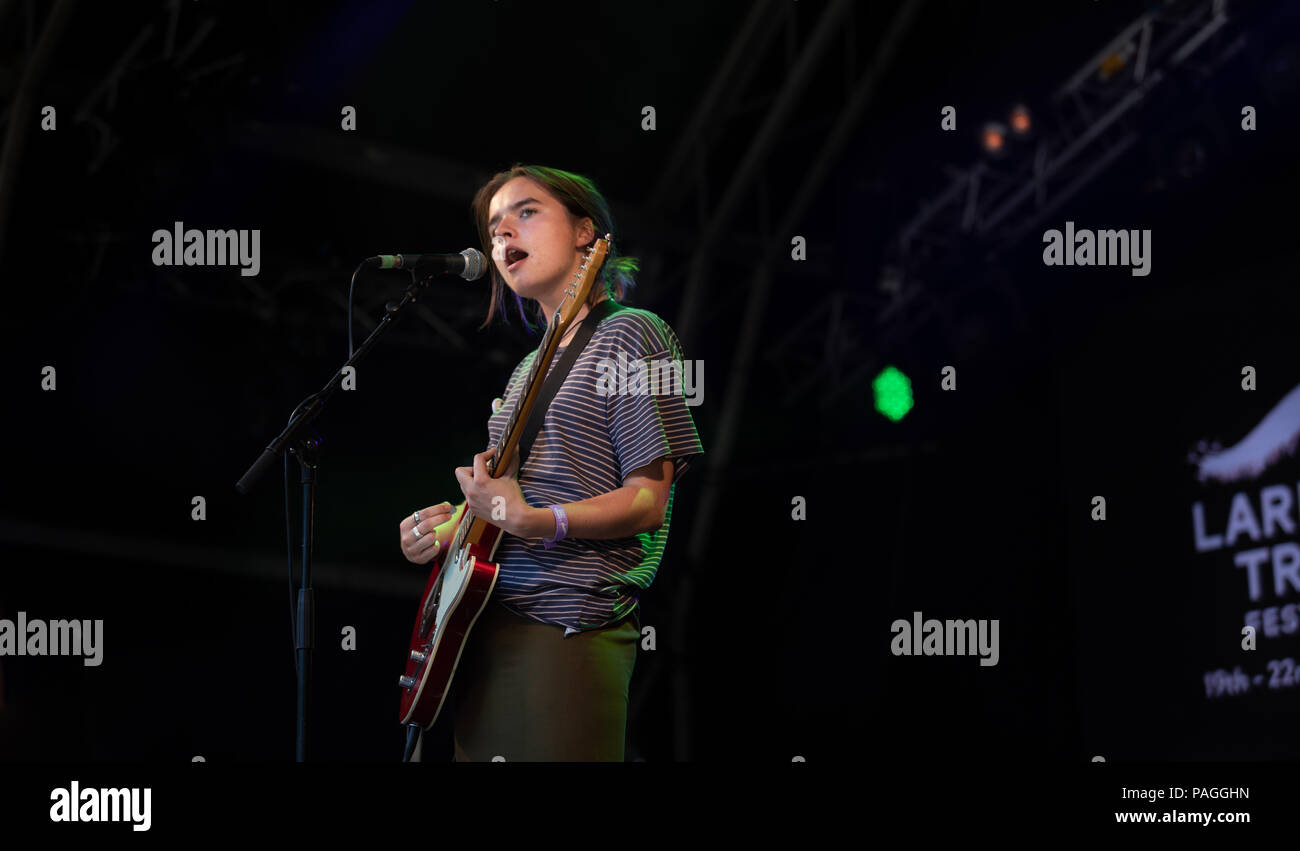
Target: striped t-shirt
[[590, 439]]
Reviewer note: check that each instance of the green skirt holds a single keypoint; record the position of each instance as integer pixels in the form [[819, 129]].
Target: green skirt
[[525, 693]]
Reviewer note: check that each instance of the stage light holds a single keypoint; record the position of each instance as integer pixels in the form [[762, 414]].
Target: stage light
[[993, 138], [1112, 65], [893, 391], [1021, 123], [1116, 62]]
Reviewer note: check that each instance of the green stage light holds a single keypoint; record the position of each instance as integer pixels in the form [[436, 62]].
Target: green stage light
[[893, 392]]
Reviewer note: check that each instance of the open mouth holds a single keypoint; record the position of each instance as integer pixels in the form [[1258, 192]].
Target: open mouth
[[514, 257]]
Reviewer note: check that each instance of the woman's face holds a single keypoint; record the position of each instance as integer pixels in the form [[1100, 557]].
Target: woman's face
[[524, 218]]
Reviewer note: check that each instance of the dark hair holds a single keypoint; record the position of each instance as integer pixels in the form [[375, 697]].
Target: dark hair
[[582, 199]]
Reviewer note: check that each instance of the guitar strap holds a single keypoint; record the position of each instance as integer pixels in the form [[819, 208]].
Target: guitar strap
[[560, 370]]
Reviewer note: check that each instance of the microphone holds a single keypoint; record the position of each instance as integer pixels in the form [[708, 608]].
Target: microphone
[[470, 264]]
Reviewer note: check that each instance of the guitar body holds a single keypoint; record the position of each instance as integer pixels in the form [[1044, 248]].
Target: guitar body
[[456, 594], [463, 580]]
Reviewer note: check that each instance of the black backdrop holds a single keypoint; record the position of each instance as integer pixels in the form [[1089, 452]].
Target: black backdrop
[[1072, 383]]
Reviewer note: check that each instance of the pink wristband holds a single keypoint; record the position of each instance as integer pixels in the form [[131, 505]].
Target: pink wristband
[[561, 527]]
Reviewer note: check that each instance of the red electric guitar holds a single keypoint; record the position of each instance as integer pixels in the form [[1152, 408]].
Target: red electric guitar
[[464, 575]]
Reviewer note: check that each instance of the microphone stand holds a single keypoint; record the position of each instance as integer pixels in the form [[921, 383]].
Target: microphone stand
[[305, 448]]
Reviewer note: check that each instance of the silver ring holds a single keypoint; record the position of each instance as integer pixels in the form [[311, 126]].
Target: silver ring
[[416, 516], [416, 530]]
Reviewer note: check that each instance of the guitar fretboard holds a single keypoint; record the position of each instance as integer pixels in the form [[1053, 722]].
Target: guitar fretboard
[[575, 294], [533, 369], [467, 519]]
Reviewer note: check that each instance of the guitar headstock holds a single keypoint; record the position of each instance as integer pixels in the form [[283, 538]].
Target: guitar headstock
[[576, 293]]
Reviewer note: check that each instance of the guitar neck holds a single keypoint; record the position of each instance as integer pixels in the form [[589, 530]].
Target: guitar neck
[[473, 528]]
